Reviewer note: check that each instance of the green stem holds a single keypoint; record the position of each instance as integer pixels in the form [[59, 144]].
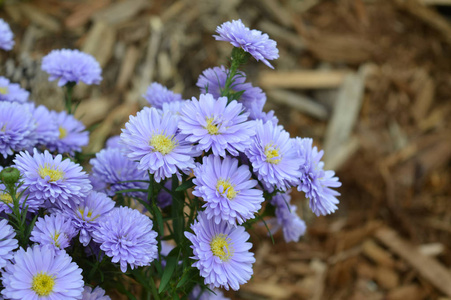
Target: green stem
[[69, 87], [155, 294]]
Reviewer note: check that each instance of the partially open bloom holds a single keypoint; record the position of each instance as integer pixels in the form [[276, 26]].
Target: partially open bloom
[[40, 273], [6, 36], [97, 294], [60, 182], [314, 181], [227, 189], [287, 218], [127, 237], [72, 134], [16, 128], [153, 140], [157, 95], [221, 252], [8, 243], [12, 92], [54, 230], [256, 43], [72, 66], [216, 125], [273, 156]]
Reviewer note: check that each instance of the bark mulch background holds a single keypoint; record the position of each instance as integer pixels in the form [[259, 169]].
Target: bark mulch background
[[370, 81]]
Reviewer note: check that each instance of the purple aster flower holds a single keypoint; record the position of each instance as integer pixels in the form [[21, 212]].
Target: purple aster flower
[[72, 135], [53, 230], [114, 142], [8, 243], [157, 94], [41, 273], [97, 294], [154, 142], [86, 215], [112, 168], [221, 252], [273, 156], [256, 43], [314, 181], [6, 36], [265, 116], [16, 127], [287, 218], [173, 108], [164, 199], [198, 294], [46, 130], [227, 189], [213, 81], [127, 237], [71, 66], [12, 92], [61, 182], [216, 125]]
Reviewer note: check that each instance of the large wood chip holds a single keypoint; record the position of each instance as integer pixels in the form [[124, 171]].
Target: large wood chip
[[121, 11], [81, 15], [100, 42], [305, 79], [40, 18], [427, 267], [300, 103]]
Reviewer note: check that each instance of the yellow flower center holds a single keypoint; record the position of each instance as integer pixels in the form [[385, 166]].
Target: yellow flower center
[[48, 171], [42, 284], [272, 154], [162, 143], [89, 215], [55, 239], [63, 133], [220, 246], [6, 198], [4, 90], [211, 128], [225, 187]]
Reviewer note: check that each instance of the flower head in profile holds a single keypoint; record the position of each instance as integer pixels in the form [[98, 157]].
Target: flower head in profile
[[228, 190], [71, 66], [60, 182], [86, 215], [8, 243], [287, 218], [6, 36], [114, 172], [127, 237], [54, 230], [153, 140], [41, 273], [214, 124], [16, 128], [94, 294], [273, 156], [221, 252], [71, 134], [198, 294], [213, 81], [158, 94], [315, 182], [12, 92], [256, 43]]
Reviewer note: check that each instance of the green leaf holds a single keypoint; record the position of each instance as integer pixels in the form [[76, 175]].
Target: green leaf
[[186, 185], [171, 262]]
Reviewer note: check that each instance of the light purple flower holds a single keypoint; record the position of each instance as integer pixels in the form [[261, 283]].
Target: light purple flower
[[287, 218], [46, 130], [54, 230], [127, 237], [6, 36], [213, 81], [273, 156], [71, 66], [97, 294], [157, 94], [314, 181], [16, 128], [41, 273], [86, 215], [60, 182], [198, 294], [256, 43], [221, 252], [227, 189], [12, 92], [72, 135], [114, 142], [112, 168], [8, 243], [154, 142], [216, 125]]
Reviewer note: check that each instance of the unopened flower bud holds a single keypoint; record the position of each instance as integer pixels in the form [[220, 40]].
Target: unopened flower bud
[[9, 176]]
